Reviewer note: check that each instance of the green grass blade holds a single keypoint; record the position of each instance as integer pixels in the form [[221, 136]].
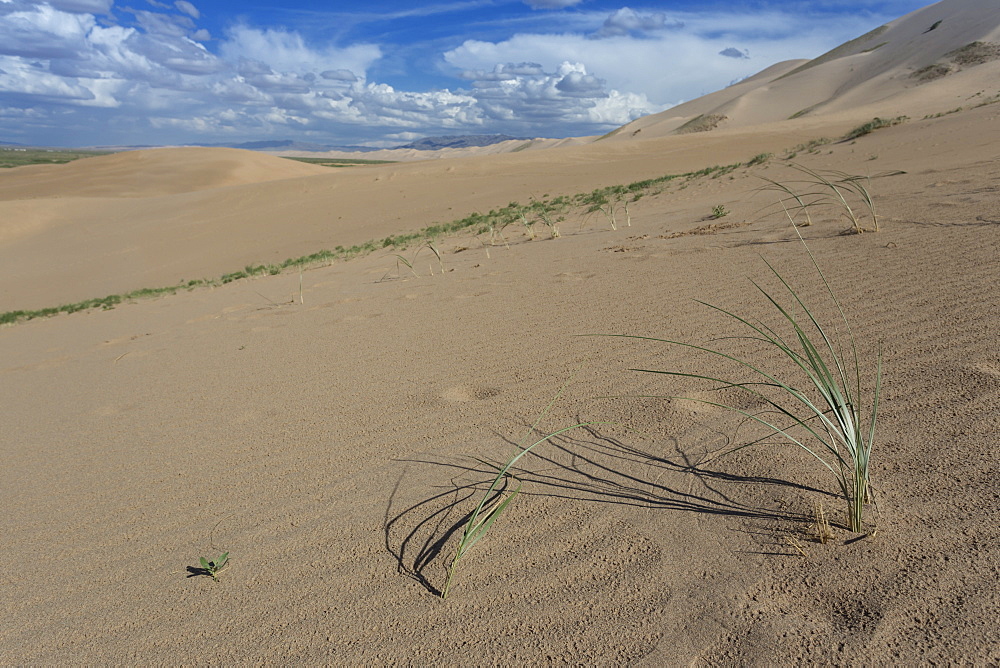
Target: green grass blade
[[484, 523], [824, 416], [483, 517]]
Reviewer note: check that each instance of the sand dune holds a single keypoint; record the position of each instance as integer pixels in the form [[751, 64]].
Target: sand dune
[[331, 434], [94, 246], [862, 77], [409, 154], [150, 173]]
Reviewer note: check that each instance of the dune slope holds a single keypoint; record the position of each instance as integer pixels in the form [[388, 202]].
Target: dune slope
[[331, 447], [867, 75], [332, 430]]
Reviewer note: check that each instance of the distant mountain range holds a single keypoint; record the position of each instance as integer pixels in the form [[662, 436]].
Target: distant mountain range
[[425, 144], [459, 141], [288, 145]]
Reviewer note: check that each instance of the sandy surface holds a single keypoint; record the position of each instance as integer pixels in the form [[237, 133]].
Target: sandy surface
[[332, 446]]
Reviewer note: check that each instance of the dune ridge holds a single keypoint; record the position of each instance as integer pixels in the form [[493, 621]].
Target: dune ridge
[[150, 173], [866, 75]]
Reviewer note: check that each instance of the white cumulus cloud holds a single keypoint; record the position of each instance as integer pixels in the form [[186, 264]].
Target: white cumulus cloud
[[88, 71], [287, 51], [627, 21], [677, 58], [187, 8]]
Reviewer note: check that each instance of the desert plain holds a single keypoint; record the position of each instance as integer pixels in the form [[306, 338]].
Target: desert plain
[[331, 429]]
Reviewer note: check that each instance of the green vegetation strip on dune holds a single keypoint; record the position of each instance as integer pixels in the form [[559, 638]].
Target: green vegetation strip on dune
[[874, 124], [548, 211], [19, 157]]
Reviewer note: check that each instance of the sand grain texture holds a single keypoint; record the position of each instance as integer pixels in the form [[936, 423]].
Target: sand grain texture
[[332, 446]]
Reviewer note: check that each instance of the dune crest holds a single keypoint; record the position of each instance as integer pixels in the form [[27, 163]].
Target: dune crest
[[150, 173], [864, 75]]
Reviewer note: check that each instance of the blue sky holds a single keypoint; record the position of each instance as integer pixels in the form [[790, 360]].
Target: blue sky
[[384, 72]]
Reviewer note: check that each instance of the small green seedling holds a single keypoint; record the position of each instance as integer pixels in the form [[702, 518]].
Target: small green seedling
[[719, 211], [213, 568]]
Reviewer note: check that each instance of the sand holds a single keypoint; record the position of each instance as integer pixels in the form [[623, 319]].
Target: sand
[[333, 444]]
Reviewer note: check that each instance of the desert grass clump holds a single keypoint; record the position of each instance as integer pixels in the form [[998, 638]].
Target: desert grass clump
[[612, 199], [872, 125], [812, 147], [702, 123], [851, 193], [401, 260], [823, 411], [603, 201], [550, 213]]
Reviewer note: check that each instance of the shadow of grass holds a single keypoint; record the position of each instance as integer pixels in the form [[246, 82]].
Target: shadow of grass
[[588, 467]]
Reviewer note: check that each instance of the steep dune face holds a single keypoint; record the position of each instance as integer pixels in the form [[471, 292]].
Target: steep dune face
[[150, 173], [864, 75], [672, 119]]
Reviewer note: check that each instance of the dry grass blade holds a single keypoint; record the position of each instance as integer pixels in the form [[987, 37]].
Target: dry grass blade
[[822, 531], [792, 541], [409, 265], [800, 203], [835, 192], [437, 254]]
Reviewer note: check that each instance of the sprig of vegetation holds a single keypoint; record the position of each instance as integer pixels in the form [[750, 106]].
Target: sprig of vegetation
[[496, 499], [811, 146], [213, 568], [822, 187], [601, 200], [759, 159], [702, 123], [872, 125], [550, 213], [825, 416], [400, 259], [943, 113]]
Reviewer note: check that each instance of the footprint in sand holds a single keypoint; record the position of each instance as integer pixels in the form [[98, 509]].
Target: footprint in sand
[[465, 393], [565, 276]]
